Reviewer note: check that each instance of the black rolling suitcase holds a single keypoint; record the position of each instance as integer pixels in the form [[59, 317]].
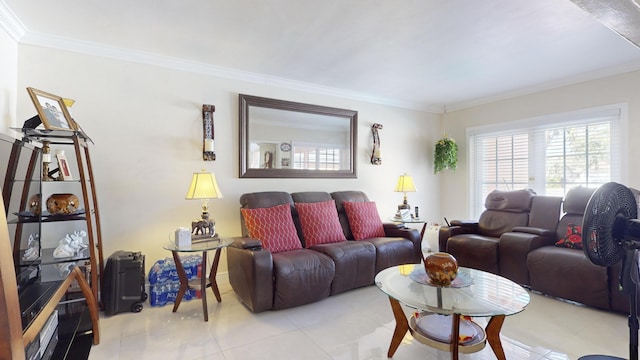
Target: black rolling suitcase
[[123, 283]]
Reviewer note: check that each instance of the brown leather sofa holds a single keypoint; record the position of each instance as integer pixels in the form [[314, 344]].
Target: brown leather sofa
[[527, 254], [264, 280]]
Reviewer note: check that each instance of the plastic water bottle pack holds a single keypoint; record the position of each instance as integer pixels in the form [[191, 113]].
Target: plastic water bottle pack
[[164, 282]]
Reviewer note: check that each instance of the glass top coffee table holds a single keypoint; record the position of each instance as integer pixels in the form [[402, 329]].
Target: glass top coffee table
[[474, 293]]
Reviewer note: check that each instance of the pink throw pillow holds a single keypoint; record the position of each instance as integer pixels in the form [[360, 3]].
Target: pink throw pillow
[[320, 223], [364, 220], [273, 226]]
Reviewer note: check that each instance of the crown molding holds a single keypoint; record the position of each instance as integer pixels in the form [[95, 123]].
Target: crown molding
[[567, 81], [10, 23], [141, 57], [19, 33]]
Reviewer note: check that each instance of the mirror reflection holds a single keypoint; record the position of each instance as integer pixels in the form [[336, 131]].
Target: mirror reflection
[[287, 139]]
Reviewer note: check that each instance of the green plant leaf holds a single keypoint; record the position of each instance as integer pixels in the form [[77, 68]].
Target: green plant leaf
[[445, 155]]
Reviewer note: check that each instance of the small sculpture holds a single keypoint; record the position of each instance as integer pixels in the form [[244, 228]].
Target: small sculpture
[[64, 269], [203, 227], [33, 250], [70, 245], [34, 204]]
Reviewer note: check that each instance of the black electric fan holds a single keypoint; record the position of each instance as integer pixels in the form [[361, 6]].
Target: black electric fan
[[610, 233]]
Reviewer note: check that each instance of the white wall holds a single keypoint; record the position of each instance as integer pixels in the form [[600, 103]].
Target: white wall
[[147, 126], [8, 82], [611, 90]]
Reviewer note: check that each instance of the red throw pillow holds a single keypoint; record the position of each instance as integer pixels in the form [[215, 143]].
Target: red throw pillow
[[273, 226], [364, 220], [573, 238], [320, 223]]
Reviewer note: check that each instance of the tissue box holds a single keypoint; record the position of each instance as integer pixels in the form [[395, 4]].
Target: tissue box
[[183, 237]]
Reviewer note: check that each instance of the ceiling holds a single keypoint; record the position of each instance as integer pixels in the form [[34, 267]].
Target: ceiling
[[422, 54]]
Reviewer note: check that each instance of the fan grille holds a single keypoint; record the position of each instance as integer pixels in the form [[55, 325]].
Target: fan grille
[[602, 233]]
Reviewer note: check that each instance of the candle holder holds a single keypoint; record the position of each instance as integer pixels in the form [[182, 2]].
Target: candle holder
[[208, 149], [46, 160]]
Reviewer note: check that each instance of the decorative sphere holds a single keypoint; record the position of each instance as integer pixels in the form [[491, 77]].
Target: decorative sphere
[[441, 268]]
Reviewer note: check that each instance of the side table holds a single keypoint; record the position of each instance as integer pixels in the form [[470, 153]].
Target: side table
[[412, 221], [203, 282]]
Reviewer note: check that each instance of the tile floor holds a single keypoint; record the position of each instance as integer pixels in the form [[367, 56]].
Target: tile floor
[[353, 325]]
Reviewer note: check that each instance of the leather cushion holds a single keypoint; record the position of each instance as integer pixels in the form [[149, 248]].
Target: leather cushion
[[392, 251], [273, 226], [355, 263], [319, 222], [515, 200], [568, 274], [301, 277], [364, 220]]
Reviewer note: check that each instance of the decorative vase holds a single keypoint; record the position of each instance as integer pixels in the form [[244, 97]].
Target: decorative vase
[[62, 204], [441, 268], [34, 204]]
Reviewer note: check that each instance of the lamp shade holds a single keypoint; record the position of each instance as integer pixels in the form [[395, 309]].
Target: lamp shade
[[203, 186], [405, 184]]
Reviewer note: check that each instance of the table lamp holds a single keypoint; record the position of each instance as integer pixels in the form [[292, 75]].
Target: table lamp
[[405, 185], [204, 187]]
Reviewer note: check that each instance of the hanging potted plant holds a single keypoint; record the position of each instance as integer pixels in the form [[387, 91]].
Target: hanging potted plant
[[446, 155]]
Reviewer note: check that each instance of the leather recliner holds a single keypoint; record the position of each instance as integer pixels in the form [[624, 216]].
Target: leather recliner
[[474, 244], [567, 273]]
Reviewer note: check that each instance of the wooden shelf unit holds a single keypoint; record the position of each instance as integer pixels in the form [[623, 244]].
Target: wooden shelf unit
[[18, 330]]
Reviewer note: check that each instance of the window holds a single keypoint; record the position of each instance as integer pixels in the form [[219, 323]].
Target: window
[[550, 155], [316, 158]]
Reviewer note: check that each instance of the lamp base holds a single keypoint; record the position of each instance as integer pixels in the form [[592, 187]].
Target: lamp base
[[404, 206]]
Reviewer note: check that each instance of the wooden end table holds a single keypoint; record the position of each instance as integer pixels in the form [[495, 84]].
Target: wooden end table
[[203, 282]]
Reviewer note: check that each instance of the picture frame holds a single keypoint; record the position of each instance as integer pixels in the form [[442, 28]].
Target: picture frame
[[63, 166], [52, 110], [405, 214]]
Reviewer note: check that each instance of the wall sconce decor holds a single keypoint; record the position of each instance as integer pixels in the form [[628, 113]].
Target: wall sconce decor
[[405, 184], [208, 148], [376, 156]]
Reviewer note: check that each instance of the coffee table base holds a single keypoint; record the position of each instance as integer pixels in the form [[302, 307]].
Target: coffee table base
[[491, 334]]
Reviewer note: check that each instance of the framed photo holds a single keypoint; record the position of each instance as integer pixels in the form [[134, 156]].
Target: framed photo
[[405, 214], [52, 110], [63, 165]]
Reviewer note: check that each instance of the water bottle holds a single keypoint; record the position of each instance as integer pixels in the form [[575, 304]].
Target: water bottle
[[155, 273]]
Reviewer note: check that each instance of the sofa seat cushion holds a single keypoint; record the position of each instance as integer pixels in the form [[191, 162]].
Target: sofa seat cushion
[[392, 251], [568, 274], [475, 251], [273, 226], [355, 263], [319, 222], [301, 277], [364, 219]]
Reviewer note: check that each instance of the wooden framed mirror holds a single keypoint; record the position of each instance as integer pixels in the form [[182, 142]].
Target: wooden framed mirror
[[285, 139]]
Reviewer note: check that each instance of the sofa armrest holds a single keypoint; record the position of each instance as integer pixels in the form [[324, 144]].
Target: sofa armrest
[[246, 243], [514, 248], [446, 232], [399, 230], [251, 273], [468, 224], [535, 231]]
